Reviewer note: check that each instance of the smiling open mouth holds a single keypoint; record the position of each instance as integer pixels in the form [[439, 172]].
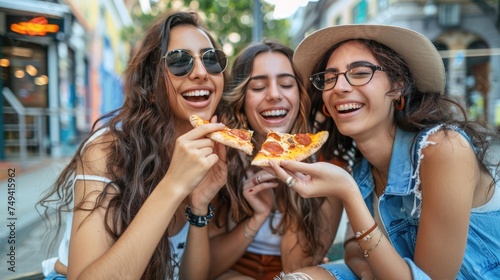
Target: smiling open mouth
[[196, 96], [347, 108], [274, 114]]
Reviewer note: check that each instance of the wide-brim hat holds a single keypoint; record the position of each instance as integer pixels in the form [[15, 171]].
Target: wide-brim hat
[[422, 57]]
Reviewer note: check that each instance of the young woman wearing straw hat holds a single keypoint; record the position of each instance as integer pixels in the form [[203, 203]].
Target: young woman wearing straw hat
[[423, 199]]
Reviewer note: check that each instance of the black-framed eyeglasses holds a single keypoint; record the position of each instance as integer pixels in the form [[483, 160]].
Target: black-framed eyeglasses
[[356, 76], [181, 62]]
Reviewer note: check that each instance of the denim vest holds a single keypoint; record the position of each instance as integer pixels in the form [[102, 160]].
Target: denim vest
[[399, 209]]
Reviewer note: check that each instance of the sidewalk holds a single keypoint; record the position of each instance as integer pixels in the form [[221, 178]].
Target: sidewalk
[[22, 230], [31, 181]]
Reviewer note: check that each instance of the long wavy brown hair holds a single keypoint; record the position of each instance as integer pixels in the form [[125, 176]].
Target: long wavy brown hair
[[141, 151], [422, 109], [303, 214]]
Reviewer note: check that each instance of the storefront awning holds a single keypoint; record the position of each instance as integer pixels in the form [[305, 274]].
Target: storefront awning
[[37, 7]]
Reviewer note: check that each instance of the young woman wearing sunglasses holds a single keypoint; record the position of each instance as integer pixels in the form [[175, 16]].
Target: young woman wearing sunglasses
[[423, 200], [263, 227], [139, 188]]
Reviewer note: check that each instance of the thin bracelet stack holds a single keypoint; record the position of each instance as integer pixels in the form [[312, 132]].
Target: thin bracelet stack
[[366, 236], [364, 233], [247, 235], [365, 253]]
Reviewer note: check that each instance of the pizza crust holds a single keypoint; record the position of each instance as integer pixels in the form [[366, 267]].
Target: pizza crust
[[227, 136], [222, 137]]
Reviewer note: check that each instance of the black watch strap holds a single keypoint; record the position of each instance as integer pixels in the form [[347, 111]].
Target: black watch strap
[[200, 221]]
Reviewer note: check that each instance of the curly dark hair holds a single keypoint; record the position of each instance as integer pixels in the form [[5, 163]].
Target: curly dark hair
[[141, 148], [422, 109], [303, 214]]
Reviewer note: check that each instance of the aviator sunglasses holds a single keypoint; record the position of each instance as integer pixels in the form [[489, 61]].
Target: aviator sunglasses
[[181, 62]]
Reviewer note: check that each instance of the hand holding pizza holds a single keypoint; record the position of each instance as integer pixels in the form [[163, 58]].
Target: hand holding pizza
[[213, 181], [193, 157]]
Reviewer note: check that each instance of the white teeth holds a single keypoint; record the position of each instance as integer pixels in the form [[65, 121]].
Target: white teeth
[[274, 113], [196, 93], [349, 106]]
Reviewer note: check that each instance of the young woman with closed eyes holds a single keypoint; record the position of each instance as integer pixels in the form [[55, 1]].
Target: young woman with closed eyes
[[263, 226]]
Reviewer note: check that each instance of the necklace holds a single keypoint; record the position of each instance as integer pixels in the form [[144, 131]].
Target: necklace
[[380, 181]]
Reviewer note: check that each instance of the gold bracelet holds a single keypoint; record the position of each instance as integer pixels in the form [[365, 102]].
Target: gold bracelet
[[369, 236], [365, 253]]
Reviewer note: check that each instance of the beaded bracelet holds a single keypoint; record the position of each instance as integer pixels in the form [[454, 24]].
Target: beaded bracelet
[[200, 221]]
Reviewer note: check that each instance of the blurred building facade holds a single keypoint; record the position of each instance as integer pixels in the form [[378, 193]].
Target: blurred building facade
[[467, 33], [60, 65]]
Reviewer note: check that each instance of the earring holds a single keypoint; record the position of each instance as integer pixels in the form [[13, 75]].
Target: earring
[[400, 103], [325, 111]]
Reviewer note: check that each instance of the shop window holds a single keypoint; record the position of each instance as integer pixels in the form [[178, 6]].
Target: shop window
[[478, 84], [360, 12], [24, 72], [449, 15]]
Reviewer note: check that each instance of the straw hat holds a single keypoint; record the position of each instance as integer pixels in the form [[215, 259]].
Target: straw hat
[[421, 55]]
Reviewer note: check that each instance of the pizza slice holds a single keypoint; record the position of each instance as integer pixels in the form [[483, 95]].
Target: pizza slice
[[240, 139], [283, 146]]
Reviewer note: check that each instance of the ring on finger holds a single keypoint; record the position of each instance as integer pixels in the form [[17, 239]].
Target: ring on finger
[[256, 180], [290, 181]]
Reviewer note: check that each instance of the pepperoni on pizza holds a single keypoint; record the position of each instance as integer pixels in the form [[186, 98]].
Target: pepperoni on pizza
[[283, 146]]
